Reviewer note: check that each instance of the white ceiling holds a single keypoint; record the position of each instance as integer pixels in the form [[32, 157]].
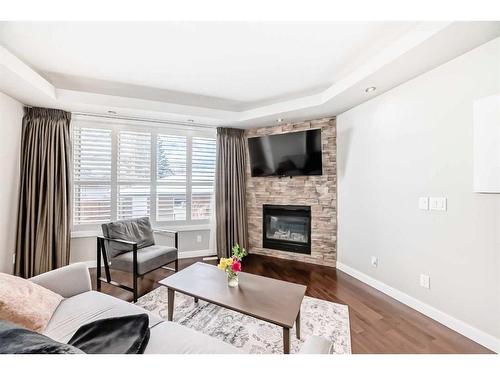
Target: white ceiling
[[236, 73]]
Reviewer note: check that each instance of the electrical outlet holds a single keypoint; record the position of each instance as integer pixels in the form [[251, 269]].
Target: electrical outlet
[[423, 203], [437, 203], [374, 261], [198, 238], [425, 281]]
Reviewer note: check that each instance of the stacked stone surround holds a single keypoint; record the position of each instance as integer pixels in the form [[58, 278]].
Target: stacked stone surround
[[319, 192]]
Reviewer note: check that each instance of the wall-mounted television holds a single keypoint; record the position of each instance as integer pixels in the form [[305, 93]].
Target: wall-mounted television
[[288, 154]]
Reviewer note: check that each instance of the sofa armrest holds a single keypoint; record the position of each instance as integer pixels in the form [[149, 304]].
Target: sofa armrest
[[67, 281], [316, 345]]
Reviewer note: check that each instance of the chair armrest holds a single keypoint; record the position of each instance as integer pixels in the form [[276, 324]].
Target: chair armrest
[[169, 231], [131, 243], [316, 345], [67, 281], [165, 231]]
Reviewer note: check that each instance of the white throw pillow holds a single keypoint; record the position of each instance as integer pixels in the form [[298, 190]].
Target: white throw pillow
[[25, 303]]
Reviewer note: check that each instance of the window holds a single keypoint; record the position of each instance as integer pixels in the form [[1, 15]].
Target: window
[[92, 175], [203, 177], [134, 174], [171, 177], [121, 172]]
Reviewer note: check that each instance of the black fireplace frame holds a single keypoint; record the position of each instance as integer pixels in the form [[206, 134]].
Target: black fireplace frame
[[286, 245]]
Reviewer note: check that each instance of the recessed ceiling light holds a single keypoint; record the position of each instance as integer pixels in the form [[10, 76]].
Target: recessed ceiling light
[[112, 112], [370, 89], [280, 120]]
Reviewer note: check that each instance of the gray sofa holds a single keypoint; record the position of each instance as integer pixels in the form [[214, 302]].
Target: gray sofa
[[83, 305]]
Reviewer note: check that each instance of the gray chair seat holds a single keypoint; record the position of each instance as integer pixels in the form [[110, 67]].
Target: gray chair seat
[[148, 259]]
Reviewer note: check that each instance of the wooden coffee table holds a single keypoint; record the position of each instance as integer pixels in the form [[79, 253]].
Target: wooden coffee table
[[271, 300]]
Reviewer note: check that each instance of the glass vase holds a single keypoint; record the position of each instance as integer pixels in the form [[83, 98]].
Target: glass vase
[[232, 279]]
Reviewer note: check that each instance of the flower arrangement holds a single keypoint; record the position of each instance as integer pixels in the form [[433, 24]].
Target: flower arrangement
[[232, 265]]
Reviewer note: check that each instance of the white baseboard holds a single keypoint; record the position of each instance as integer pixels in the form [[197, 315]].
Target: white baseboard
[[449, 321]]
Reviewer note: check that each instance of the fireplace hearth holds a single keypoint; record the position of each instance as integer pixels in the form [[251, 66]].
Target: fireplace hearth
[[287, 228]]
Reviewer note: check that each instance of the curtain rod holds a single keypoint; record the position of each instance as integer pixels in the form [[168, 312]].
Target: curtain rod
[[156, 121]]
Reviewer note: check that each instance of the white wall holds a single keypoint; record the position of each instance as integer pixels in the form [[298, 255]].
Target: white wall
[[11, 115], [411, 142]]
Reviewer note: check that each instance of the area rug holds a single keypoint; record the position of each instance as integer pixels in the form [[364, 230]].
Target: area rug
[[321, 318]]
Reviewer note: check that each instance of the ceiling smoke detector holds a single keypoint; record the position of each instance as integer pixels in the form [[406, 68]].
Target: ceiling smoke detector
[[370, 89]]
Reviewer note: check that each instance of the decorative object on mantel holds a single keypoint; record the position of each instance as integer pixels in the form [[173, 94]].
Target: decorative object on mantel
[[319, 318], [233, 265]]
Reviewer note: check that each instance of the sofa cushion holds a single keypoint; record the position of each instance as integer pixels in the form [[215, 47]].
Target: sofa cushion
[[136, 230], [172, 338], [88, 307], [25, 303], [148, 259]]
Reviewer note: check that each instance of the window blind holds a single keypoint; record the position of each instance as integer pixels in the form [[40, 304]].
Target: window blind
[[123, 171], [92, 154], [202, 177], [133, 201], [91, 175], [134, 156], [171, 170], [203, 160]]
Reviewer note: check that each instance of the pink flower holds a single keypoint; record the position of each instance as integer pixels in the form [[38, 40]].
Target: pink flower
[[236, 266]]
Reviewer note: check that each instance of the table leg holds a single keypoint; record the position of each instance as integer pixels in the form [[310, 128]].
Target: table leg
[[171, 294], [286, 340], [297, 326], [195, 300]]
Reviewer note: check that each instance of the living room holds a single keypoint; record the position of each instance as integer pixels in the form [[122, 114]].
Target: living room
[[288, 186]]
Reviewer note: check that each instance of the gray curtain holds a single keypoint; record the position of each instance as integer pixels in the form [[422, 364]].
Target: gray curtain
[[230, 200], [44, 211]]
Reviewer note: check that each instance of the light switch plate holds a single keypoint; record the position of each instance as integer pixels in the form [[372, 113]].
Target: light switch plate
[[423, 203], [198, 238], [437, 203]]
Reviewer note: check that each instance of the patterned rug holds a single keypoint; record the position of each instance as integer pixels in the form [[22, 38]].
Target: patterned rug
[[318, 317]]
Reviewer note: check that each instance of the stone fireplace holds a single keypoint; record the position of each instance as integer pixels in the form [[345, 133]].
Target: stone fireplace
[[287, 228], [317, 193]]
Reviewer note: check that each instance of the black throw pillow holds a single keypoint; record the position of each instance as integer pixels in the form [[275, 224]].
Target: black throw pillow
[[122, 335], [17, 340]]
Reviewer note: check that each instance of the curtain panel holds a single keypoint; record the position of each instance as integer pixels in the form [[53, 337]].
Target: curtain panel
[[44, 210], [230, 200]]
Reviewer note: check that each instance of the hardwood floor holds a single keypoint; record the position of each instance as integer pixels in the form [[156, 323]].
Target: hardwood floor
[[379, 324]]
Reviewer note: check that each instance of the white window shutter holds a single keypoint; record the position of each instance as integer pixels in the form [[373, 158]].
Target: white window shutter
[[202, 177], [134, 156], [122, 172], [91, 175], [171, 170]]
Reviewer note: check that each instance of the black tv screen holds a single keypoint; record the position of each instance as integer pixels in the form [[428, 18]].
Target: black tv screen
[[289, 154]]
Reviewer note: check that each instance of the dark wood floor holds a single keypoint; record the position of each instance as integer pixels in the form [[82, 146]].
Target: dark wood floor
[[379, 324]]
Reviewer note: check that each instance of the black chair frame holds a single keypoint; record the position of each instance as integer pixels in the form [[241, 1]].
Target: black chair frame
[[101, 250]]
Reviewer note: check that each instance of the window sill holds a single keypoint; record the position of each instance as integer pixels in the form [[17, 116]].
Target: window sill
[[184, 228]]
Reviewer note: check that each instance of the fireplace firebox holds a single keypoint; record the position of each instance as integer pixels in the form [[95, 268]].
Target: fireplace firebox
[[287, 227]]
